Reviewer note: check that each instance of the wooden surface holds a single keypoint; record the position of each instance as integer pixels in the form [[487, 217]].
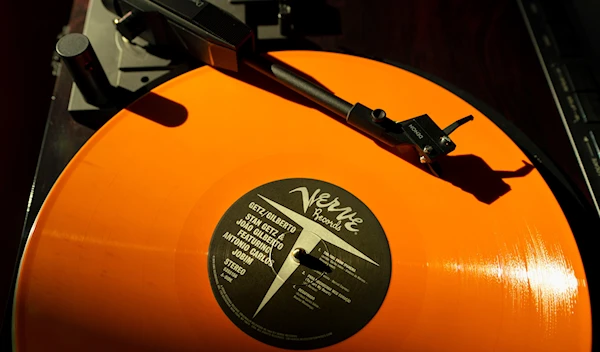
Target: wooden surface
[[480, 47]]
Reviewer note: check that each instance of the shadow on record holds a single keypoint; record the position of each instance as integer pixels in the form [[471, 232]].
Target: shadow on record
[[473, 175], [146, 104], [468, 172], [312, 262], [159, 109]]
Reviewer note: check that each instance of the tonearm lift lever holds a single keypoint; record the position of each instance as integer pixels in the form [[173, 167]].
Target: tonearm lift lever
[[218, 39]]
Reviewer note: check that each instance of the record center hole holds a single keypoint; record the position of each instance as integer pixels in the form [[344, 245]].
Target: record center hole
[[144, 79]]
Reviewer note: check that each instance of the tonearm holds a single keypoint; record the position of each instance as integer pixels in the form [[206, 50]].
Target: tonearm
[[216, 38]]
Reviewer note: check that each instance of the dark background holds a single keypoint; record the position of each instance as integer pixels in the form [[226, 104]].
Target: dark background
[[481, 47], [29, 31]]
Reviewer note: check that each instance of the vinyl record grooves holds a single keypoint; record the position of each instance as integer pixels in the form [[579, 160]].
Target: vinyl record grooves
[[169, 237]]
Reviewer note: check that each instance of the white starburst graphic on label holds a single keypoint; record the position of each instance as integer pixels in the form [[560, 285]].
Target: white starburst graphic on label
[[308, 239]]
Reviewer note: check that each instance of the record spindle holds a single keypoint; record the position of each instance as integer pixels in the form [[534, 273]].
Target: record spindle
[[81, 60]]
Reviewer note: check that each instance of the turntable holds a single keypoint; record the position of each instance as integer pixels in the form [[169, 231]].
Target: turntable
[[232, 199]]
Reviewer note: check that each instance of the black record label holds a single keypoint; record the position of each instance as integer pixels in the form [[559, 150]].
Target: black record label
[[299, 264]]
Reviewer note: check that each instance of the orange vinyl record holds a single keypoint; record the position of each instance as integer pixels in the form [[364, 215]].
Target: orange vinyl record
[[240, 219]]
